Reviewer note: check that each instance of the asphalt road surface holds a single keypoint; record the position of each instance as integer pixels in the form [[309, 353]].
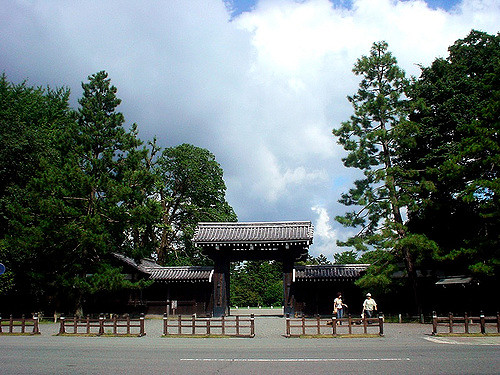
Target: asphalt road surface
[[405, 348]]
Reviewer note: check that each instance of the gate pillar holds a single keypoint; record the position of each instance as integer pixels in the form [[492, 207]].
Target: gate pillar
[[289, 300], [221, 287]]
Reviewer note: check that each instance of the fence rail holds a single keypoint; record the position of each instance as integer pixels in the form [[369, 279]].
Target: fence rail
[[238, 326], [296, 327], [466, 324], [114, 326], [23, 323]]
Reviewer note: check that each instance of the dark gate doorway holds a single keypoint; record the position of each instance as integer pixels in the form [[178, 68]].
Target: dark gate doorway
[[286, 242]]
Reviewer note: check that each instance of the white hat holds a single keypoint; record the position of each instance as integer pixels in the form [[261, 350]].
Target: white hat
[[368, 295]]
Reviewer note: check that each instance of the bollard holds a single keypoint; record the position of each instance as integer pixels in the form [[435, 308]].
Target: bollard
[[381, 324], [252, 325], [36, 329], [101, 324], [62, 330], [434, 323], [142, 328], [165, 324], [483, 323]]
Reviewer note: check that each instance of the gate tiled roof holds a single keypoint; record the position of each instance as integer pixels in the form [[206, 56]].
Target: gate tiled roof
[[192, 273], [329, 272], [257, 232], [169, 274]]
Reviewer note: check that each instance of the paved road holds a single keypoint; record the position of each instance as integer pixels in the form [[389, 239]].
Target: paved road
[[406, 348]]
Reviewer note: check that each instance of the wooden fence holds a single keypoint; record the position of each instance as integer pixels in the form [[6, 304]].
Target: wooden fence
[[237, 326], [114, 326], [466, 324], [23, 323], [318, 327]]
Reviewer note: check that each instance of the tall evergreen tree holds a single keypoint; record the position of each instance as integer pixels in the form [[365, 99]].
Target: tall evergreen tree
[[370, 139]]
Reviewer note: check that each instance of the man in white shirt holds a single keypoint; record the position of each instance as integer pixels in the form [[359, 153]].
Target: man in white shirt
[[369, 306]]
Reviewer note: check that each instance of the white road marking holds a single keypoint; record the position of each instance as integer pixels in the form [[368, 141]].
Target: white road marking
[[465, 340], [293, 359]]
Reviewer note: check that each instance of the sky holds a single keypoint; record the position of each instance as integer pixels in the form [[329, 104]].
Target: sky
[[259, 83]]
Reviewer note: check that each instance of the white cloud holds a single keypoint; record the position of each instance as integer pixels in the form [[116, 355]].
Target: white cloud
[[324, 235], [261, 91]]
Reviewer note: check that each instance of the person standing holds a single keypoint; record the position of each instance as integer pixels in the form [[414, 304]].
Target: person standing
[[369, 306], [338, 306]]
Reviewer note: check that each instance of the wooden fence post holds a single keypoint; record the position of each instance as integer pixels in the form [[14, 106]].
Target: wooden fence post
[[466, 323], [179, 322], [223, 324], [434, 323], [75, 325], [128, 325], [11, 324], [208, 326], [23, 324], [498, 322], [349, 322], [303, 325], [482, 322], [365, 325], [450, 316], [0, 323], [237, 325], [318, 324], [87, 324], [287, 325], [115, 324], [334, 325]]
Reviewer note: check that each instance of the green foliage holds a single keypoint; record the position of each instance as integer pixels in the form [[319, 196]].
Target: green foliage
[[380, 275], [346, 257], [455, 155], [191, 188], [371, 139], [319, 260], [257, 283], [76, 186]]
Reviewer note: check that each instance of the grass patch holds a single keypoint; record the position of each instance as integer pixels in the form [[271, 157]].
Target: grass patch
[[18, 334], [351, 336], [203, 336], [94, 335]]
